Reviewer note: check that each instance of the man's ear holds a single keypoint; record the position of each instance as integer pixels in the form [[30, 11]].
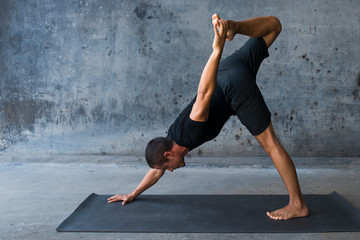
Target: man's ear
[[168, 155]]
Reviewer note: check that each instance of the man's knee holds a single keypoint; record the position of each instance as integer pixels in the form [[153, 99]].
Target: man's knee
[[269, 141], [273, 147], [269, 144], [276, 24]]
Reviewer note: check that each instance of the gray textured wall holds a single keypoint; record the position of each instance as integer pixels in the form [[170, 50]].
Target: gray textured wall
[[104, 77]]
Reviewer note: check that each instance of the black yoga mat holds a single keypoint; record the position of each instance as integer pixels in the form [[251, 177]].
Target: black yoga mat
[[210, 214]]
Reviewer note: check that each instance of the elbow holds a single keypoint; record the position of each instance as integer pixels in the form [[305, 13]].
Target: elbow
[[201, 94], [204, 94]]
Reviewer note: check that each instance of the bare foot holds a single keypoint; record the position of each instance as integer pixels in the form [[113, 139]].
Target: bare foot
[[232, 27], [288, 212]]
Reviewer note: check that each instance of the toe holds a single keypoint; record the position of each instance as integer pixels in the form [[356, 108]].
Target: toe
[[215, 16], [274, 215], [215, 19], [270, 215]]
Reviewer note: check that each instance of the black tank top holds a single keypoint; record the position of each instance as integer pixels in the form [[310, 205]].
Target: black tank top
[[191, 134]]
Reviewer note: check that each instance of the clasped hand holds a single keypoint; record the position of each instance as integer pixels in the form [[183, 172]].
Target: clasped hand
[[220, 30]]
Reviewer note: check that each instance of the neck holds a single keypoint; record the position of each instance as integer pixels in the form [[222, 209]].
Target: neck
[[180, 149]]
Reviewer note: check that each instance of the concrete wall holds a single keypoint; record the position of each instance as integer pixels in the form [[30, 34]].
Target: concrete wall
[[104, 77]]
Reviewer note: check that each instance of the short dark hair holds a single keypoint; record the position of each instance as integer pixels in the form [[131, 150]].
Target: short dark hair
[[155, 149]]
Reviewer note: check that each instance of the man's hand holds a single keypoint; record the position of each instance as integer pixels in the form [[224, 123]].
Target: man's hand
[[126, 198], [220, 29], [150, 179]]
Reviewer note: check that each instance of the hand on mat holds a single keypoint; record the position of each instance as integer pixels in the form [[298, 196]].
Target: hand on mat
[[126, 198], [220, 30]]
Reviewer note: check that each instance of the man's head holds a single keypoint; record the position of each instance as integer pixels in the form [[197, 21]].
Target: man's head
[[162, 153]]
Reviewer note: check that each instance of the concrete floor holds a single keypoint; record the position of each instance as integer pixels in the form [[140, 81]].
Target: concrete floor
[[36, 197]]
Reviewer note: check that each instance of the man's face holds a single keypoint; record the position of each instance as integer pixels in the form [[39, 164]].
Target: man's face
[[174, 162]]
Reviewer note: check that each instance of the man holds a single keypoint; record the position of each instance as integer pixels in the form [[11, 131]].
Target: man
[[224, 90]]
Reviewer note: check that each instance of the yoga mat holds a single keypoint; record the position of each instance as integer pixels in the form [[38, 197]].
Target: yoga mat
[[210, 214]]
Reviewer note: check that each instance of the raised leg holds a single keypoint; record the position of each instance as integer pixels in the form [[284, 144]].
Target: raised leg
[[268, 28], [285, 166]]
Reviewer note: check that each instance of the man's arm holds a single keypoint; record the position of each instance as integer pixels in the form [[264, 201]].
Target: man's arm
[[149, 180], [200, 110]]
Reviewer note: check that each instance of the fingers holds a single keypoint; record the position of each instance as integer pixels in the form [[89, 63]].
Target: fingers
[[114, 198], [117, 197], [220, 25], [216, 30], [221, 28]]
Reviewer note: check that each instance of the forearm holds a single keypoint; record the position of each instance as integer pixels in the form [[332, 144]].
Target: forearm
[[258, 27], [208, 77], [149, 180]]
